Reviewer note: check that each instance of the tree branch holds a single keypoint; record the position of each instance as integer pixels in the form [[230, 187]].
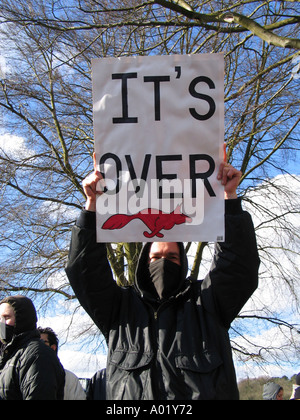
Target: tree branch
[[263, 33], [11, 288]]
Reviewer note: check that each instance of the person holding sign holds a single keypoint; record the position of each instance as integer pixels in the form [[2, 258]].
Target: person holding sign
[[167, 335]]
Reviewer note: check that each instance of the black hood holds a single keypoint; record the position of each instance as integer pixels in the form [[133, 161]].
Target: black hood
[[143, 284], [25, 313]]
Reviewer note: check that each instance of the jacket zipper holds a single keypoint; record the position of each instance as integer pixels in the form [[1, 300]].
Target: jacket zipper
[[158, 391], [159, 388]]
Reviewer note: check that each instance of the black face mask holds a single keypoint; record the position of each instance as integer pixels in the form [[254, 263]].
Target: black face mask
[[165, 276], [6, 333]]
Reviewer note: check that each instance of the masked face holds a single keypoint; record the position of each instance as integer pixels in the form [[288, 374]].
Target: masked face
[[165, 276], [7, 323], [6, 332], [165, 268]]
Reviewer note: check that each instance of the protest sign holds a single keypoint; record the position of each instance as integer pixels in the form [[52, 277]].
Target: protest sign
[[159, 133]]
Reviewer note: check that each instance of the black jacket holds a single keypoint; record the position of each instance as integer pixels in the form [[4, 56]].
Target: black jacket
[[96, 389], [30, 370], [181, 349]]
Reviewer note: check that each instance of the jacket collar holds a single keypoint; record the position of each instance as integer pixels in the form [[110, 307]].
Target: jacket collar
[[17, 342]]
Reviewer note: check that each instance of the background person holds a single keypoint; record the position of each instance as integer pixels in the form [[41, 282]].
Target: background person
[[29, 370], [273, 391], [73, 389]]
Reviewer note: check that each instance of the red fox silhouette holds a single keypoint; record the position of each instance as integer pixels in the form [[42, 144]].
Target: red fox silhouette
[[155, 220]]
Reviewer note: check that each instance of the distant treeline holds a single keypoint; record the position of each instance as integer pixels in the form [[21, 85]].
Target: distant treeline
[[252, 389]]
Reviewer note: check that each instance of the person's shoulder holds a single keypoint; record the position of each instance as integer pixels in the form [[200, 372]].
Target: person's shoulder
[[71, 376], [35, 346]]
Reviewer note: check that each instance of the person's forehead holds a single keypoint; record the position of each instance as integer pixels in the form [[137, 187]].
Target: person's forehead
[[6, 310], [164, 248], [44, 336]]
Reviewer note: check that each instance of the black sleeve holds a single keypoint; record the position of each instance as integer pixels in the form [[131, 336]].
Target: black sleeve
[[90, 274], [233, 276]]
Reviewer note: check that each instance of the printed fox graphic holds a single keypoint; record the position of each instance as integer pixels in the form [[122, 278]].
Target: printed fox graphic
[[155, 220]]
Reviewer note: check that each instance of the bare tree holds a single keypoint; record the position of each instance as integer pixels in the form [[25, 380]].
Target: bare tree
[[47, 132]]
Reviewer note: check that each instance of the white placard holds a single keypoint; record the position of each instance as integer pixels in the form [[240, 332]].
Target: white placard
[[159, 133]]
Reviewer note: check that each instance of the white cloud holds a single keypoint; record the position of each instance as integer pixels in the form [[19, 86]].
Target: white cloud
[[274, 345], [276, 215], [13, 146], [83, 364], [3, 67], [273, 370], [58, 211]]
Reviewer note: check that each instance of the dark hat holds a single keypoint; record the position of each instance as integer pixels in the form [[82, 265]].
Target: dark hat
[[25, 313]]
